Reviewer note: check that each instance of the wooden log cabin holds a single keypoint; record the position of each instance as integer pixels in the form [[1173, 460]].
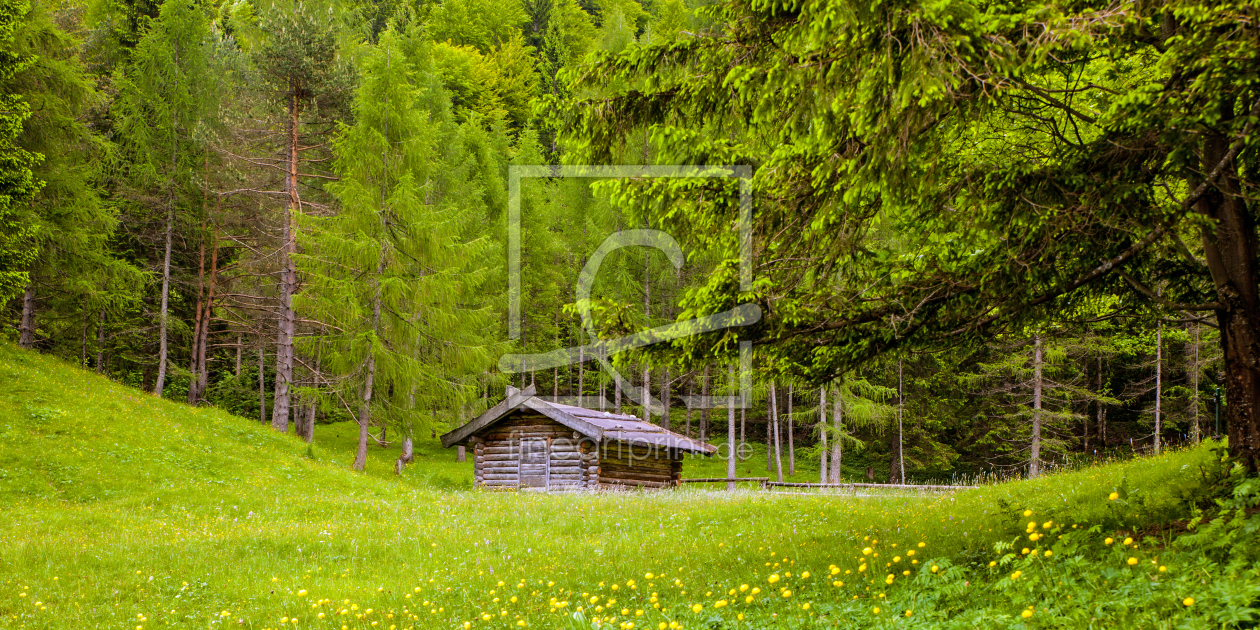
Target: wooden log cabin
[[527, 443]]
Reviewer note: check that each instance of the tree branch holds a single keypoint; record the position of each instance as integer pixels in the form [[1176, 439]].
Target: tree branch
[[1176, 306]]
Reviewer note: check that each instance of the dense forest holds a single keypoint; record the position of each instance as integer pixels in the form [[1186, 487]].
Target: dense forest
[[986, 238]]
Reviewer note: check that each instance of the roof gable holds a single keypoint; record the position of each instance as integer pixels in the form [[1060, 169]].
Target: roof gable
[[515, 398]]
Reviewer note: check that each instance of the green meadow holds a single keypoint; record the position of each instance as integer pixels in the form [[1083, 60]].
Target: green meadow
[[126, 511]]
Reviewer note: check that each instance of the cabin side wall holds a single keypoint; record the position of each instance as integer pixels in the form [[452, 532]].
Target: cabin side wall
[[622, 465]]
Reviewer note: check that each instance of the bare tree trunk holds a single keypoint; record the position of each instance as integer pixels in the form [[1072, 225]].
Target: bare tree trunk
[[100, 344], [365, 412], [555, 370], [647, 393], [837, 449], [1098, 409], [201, 328], [1093, 403], [1229, 245], [1195, 433], [1102, 427], [704, 409], [203, 370], [83, 340], [1034, 461], [238, 355], [581, 370], [163, 321], [365, 416], [774, 423], [1159, 379], [901, 436], [791, 444], [26, 334], [262, 392], [197, 317], [772, 432], [408, 455], [524, 335], [164, 324], [616, 396], [743, 425], [691, 390], [307, 430], [665, 397], [822, 435], [288, 273], [730, 433]]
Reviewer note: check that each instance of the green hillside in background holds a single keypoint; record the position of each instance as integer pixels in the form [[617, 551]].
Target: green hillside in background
[[126, 511]]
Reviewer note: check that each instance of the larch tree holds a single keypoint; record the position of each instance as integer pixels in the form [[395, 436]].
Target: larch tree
[[392, 274], [162, 107], [857, 406]]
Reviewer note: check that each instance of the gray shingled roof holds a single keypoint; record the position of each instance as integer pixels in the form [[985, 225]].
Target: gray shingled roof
[[599, 425]]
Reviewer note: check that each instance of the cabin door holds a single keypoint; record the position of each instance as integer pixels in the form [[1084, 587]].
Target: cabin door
[[535, 462]]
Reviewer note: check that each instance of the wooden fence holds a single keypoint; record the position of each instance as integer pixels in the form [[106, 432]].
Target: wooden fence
[[855, 486], [761, 481], [766, 484]]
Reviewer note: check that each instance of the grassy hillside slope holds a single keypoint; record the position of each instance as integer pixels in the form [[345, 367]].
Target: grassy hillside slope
[[124, 511]]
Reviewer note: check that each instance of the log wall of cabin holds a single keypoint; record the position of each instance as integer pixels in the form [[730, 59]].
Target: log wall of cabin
[[622, 465], [572, 462]]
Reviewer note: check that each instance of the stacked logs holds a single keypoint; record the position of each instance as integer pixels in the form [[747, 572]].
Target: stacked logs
[[622, 465], [589, 463]]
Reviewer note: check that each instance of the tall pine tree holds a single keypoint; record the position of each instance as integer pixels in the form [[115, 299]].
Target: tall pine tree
[[301, 67]]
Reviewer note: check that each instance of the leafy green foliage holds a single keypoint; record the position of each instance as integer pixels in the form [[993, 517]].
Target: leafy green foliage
[[918, 152]]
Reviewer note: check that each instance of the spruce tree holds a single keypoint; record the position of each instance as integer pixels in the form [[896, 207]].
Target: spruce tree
[[75, 279]]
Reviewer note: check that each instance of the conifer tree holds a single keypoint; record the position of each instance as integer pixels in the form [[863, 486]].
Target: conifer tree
[[16, 180], [391, 273], [1032, 393], [161, 108], [74, 278], [301, 66]]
